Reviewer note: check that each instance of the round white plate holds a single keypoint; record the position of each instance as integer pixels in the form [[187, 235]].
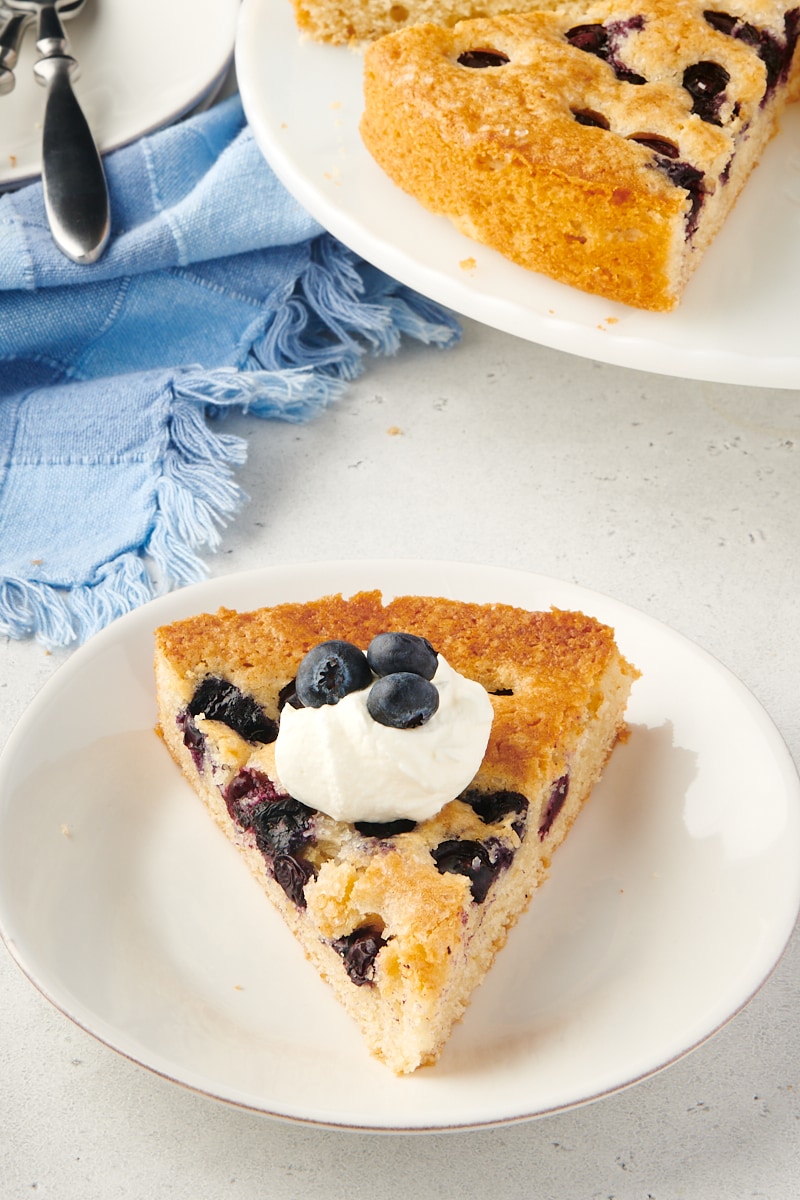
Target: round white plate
[[738, 320], [666, 909], [142, 64]]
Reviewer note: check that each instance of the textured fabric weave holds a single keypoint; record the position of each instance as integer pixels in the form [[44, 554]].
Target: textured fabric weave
[[217, 291]]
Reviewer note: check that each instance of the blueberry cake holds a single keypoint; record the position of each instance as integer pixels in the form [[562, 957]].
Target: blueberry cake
[[402, 917], [602, 144], [338, 22]]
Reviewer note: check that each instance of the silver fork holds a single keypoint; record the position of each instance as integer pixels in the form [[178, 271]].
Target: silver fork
[[11, 35], [74, 183]]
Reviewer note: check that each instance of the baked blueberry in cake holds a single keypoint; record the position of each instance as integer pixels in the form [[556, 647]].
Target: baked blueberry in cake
[[397, 776], [602, 144]]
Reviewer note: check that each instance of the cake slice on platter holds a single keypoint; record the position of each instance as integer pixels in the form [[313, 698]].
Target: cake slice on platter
[[397, 777], [344, 22], [602, 143]]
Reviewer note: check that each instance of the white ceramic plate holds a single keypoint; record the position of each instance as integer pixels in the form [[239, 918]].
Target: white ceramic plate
[[143, 64], [666, 909], [738, 320]]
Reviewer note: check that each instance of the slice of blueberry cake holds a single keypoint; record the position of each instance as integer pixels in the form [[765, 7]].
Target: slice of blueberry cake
[[397, 777], [602, 144]]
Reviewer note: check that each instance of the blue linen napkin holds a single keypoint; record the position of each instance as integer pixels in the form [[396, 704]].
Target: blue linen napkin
[[217, 291]]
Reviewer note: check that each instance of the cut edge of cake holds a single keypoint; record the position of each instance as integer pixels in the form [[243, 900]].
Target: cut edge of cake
[[402, 941]]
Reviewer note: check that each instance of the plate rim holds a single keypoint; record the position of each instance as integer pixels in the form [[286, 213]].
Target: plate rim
[[182, 602]]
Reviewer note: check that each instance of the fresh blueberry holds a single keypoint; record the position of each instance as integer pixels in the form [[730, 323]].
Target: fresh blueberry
[[218, 700], [330, 671], [402, 700], [391, 652], [358, 951]]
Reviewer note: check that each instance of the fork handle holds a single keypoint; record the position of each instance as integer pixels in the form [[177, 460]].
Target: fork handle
[[50, 36], [10, 38], [75, 191]]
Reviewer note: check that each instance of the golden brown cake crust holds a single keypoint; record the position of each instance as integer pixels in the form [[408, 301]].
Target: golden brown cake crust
[[549, 156], [547, 660]]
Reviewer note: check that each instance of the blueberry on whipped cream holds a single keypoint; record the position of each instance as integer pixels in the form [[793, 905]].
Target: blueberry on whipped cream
[[329, 672], [392, 734]]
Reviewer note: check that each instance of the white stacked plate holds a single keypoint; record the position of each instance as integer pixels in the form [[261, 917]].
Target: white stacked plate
[[142, 64]]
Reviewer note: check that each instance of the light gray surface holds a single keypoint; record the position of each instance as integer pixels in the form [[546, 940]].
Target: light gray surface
[[682, 499]]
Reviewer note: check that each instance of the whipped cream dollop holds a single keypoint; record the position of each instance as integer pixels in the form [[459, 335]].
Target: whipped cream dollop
[[339, 760]]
